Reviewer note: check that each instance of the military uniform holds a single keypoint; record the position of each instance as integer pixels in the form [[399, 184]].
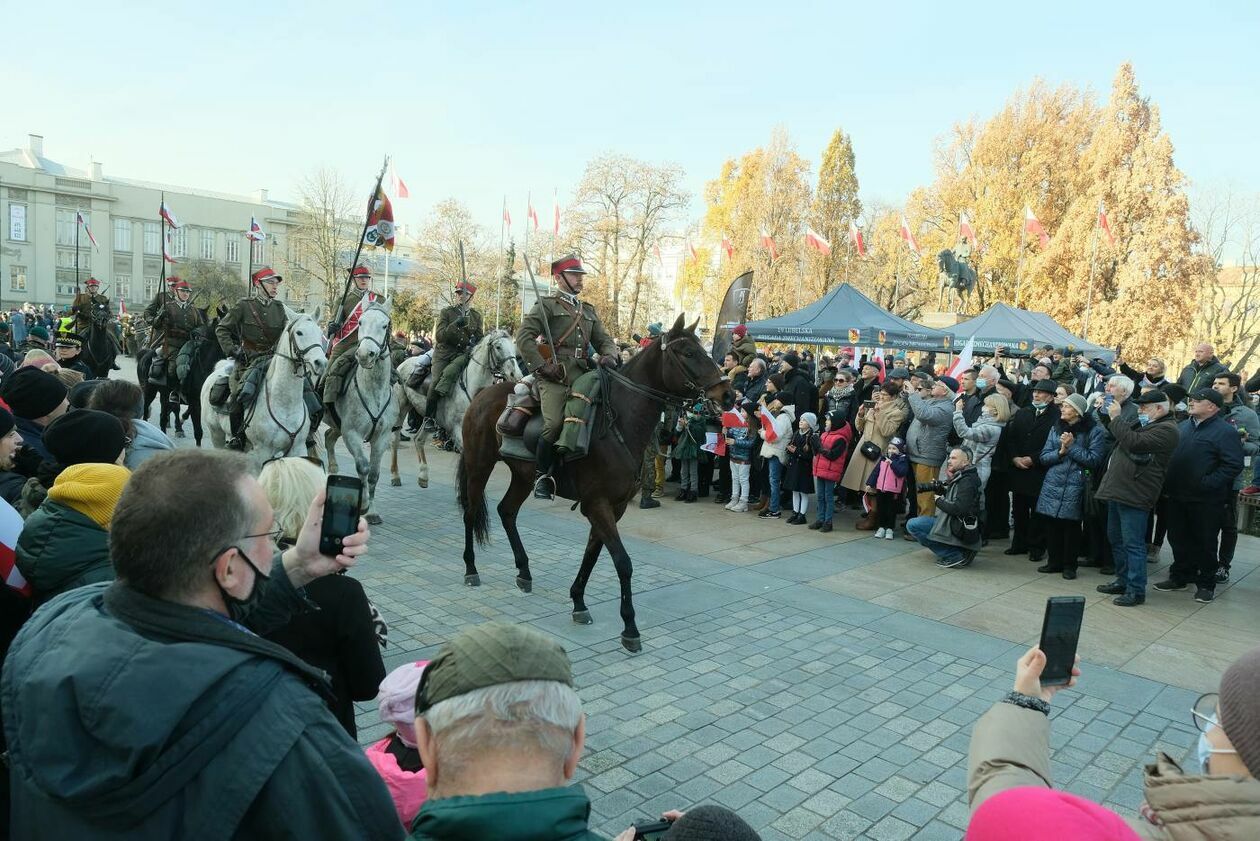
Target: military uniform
[[337, 369], [73, 340], [159, 302], [454, 342], [176, 322], [253, 326], [89, 306]]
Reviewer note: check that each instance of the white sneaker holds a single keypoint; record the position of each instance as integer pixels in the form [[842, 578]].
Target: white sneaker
[[741, 508], [879, 533], [888, 534]]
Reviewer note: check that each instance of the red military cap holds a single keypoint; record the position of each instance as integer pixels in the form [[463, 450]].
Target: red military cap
[[465, 286], [266, 273], [361, 271], [572, 263], [180, 283], [91, 281]]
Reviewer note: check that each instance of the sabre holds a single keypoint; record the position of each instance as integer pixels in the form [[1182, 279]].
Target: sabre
[[537, 297]]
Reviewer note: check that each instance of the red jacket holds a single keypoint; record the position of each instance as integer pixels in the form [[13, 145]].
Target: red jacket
[[833, 452]]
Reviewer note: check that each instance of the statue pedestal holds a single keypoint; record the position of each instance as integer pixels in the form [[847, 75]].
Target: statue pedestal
[[940, 320]]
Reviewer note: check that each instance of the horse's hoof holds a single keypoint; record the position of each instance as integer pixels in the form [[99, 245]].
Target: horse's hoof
[[472, 580], [424, 483], [582, 617], [632, 644], [396, 482], [525, 585], [374, 519]]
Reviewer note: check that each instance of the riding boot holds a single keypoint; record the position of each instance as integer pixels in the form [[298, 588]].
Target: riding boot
[[236, 417], [543, 483]]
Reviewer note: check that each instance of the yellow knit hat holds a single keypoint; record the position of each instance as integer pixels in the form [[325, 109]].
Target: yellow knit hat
[[91, 489]]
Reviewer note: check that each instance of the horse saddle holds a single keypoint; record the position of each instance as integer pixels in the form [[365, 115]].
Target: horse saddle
[[525, 448]]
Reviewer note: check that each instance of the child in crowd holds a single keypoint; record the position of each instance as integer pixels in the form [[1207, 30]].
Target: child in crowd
[[799, 475], [831, 452], [395, 757], [739, 446], [888, 482], [688, 437]]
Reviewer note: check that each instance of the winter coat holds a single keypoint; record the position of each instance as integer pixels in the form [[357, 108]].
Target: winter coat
[[1010, 747], [1064, 372], [1025, 436], [549, 814], [408, 788], [1244, 419], [784, 423], [832, 451], [890, 474], [1063, 490], [1208, 458], [1135, 471], [981, 437], [862, 391], [131, 717], [687, 440], [756, 387], [840, 400], [799, 391], [60, 549], [926, 438], [799, 473], [1128, 415], [741, 447], [962, 499], [1195, 376], [745, 349], [147, 441], [878, 426], [32, 437], [11, 483]]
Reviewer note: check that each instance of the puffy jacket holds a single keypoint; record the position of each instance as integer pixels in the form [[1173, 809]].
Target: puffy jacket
[[147, 441], [60, 549], [784, 423], [1195, 376], [742, 439], [962, 498], [799, 391], [981, 437], [929, 431], [687, 440], [1135, 471], [890, 474], [833, 452], [745, 349], [1244, 419], [1063, 490], [1208, 458]]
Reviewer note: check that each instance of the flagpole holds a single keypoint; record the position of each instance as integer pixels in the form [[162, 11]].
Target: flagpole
[[498, 287], [162, 243], [1019, 265], [78, 214], [897, 279], [800, 273], [1093, 253], [249, 243]]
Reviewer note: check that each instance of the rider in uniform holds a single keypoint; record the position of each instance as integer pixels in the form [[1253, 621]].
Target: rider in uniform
[[88, 304], [575, 327], [160, 300], [69, 346], [346, 332], [175, 323], [249, 333], [460, 327]]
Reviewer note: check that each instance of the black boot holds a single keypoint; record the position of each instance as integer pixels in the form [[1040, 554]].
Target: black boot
[[236, 418], [544, 485], [646, 501]]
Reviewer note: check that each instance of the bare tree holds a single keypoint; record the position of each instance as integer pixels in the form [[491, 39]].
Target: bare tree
[[329, 221], [1229, 295]]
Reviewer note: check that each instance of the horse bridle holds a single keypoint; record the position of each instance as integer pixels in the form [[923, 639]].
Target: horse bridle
[[666, 397], [496, 362], [299, 353], [380, 347]]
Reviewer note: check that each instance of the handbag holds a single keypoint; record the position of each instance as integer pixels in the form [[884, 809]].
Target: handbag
[[965, 529], [869, 451], [1089, 505]]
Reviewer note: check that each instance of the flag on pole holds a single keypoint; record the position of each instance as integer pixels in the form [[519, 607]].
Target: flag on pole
[[767, 242], [908, 236], [380, 222], [255, 231], [855, 237], [963, 362], [656, 249], [79, 217], [531, 214], [1033, 226], [732, 419], [165, 213], [728, 247], [507, 218], [10, 528], [555, 222], [965, 229], [816, 241], [691, 247], [396, 185], [1104, 224], [767, 423], [122, 308], [166, 249]]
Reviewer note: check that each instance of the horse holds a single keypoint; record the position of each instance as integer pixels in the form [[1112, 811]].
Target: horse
[[493, 360], [674, 368], [366, 411], [954, 274], [168, 403], [100, 347], [203, 353], [278, 423]]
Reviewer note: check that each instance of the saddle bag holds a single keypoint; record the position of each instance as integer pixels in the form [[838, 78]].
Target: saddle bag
[[579, 417], [416, 379], [219, 392], [520, 408]]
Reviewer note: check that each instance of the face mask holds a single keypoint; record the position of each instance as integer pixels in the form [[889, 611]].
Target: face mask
[[241, 610], [981, 383], [986, 412], [1143, 420], [1039, 406], [1082, 368], [1204, 751], [1180, 407]]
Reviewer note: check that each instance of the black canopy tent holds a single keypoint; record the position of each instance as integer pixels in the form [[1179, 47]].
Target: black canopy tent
[[1021, 331], [844, 316]]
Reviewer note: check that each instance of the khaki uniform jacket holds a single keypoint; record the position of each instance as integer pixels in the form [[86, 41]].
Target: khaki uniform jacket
[[1010, 747], [254, 324], [572, 340], [177, 323], [454, 339], [84, 305], [155, 306]]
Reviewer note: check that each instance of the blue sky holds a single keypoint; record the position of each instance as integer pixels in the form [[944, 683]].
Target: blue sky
[[479, 99]]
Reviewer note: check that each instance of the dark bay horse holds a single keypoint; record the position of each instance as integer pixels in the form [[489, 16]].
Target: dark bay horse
[[100, 346], [672, 369]]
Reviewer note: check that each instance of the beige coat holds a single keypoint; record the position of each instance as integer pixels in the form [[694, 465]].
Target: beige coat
[[1010, 747], [877, 427]]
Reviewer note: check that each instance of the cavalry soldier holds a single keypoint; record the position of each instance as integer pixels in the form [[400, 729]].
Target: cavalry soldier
[[346, 331], [175, 324], [160, 300], [249, 333], [575, 327], [69, 347], [460, 327], [89, 306]]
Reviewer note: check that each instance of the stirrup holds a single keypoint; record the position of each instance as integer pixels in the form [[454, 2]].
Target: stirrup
[[544, 486], [236, 442]]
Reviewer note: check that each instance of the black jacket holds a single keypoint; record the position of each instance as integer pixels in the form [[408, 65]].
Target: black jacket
[[1025, 435], [799, 391], [1208, 457]]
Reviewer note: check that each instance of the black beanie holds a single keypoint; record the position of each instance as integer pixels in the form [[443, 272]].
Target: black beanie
[[710, 823], [6, 422], [791, 358], [32, 393], [85, 436]]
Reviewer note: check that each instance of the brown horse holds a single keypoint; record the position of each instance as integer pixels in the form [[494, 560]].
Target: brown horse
[[672, 369]]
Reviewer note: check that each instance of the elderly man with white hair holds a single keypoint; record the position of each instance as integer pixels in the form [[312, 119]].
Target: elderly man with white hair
[[1117, 390]]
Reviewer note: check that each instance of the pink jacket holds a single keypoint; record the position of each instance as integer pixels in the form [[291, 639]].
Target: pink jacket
[[409, 789], [887, 479]]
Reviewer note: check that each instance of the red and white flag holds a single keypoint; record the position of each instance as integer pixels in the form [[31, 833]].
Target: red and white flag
[[908, 236], [691, 249], [122, 308], [78, 214], [728, 247], [816, 241], [380, 222], [856, 239], [1104, 224], [531, 214], [1033, 226], [732, 419], [166, 249], [965, 229], [767, 423], [767, 242], [10, 528], [964, 360], [165, 213], [507, 218], [555, 221], [396, 185], [656, 249], [255, 231]]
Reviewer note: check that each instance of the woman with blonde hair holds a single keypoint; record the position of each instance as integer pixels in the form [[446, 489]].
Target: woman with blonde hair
[[340, 637], [984, 433]]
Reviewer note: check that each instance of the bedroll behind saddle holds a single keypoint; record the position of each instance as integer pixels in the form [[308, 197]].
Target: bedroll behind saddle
[[579, 416]]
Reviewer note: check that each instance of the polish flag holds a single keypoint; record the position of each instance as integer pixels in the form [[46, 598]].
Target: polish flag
[[767, 423], [507, 218], [767, 242], [728, 247], [692, 248], [732, 419], [816, 241], [908, 236], [79, 216], [166, 249], [255, 231], [396, 185], [555, 222], [965, 229], [10, 528], [855, 237], [656, 249], [122, 308], [1104, 224], [1033, 226], [532, 215], [165, 213], [964, 360]]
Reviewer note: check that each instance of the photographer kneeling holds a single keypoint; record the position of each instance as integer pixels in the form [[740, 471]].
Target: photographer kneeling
[[954, 532]]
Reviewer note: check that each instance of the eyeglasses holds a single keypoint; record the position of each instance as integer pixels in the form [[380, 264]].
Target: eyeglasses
[[274, 534], [1203, 713]]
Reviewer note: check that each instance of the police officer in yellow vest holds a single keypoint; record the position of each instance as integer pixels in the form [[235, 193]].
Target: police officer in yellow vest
[[249, 333], [575, 327]]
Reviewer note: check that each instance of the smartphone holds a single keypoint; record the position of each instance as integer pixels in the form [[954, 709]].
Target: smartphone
[[1060, 633], [651, 830], [343, 498], [870, 404]]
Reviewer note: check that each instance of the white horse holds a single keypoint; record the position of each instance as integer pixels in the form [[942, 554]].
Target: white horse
[[278, 423], [494, 359], [369, 406]]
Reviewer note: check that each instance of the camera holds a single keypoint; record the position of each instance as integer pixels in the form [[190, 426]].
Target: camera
[[935, 486]]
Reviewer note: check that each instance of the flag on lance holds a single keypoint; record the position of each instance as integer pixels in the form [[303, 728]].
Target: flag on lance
[[122, 308], [908, 236], [965, 229], [507, 218], [555, 218], [767, 423], [856, 239], [10, 528], [78, 214], [352, 323], [767, 242], [533, 215], [166, 249], [816, 241], [165, 212], [963, 362], [255, 232], [728, 247], [396, 185], [380, 222], [1033, 226], [1105, 224]]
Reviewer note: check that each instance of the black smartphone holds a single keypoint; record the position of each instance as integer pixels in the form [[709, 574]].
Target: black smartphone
[[343, 497], [651, 830], [870, 404], [1060, 633]]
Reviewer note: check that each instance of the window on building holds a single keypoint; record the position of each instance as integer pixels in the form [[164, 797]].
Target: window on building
[[256, 247], [152, 238], [65, 260], [122, 234], [233, 249], [65, 283], [179, 242], [122, 287], [67, 224], [17, 278], [151, 287], [17, 222], [207, 245]]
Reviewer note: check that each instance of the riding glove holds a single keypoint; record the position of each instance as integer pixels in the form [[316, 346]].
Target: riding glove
[[551, 371], [608, 361]]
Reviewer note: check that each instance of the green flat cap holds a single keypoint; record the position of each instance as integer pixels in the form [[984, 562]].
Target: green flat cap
[[488, 655]]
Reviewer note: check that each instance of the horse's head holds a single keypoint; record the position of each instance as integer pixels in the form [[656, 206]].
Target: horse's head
[[686, 370], [373, 336], [502, 357], [306, 341]]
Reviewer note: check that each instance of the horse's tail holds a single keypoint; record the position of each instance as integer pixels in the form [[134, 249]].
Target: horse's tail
[[475, 507]]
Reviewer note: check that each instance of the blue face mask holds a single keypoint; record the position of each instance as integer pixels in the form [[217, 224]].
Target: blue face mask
[[1039, 406], [981, 383], [1204, 752], [1143, 420]]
